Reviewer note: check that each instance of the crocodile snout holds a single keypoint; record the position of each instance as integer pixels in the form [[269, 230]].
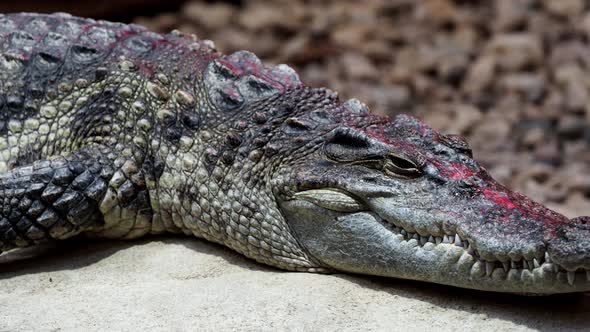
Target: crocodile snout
[[570, 245]]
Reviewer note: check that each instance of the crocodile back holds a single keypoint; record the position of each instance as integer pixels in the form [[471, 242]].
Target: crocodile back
[[51, 68]]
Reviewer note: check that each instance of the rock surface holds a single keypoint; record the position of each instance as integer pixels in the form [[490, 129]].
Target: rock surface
[[184, 284]]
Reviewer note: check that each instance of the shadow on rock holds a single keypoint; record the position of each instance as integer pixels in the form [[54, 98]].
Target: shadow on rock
[[77, 253], [543, 313]]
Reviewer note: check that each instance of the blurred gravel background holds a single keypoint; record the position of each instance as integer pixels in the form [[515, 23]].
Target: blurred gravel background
[[510, 75]]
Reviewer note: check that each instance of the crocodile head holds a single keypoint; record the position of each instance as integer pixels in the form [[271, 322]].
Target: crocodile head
[[396, 198]]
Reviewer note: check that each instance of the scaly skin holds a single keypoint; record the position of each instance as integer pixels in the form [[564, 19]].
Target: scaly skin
[[109, 130]]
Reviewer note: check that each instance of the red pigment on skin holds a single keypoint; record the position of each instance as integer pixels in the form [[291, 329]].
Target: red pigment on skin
[[459, 172], [268, 79], [231, 66], [453, 171], [160, 42], [376, 126], [284, 78], [245, 63], [120, 34], [499, 198], [377, 130], [87, 27], [378, 133], [231, 92], [417, 125], [241, 65], [146, 68], [527, 209]]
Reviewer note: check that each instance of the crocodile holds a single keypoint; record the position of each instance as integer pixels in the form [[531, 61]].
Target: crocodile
[[108, 130]]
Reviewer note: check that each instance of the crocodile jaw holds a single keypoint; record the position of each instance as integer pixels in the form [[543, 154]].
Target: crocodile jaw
[[366, 243]]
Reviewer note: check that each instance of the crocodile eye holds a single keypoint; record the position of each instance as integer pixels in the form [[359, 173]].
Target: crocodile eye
[[401, 167]]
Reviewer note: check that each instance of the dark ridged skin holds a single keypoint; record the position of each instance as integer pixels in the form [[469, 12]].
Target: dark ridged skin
[[109, 130]]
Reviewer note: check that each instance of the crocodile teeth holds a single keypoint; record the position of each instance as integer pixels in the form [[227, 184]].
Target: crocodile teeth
[[543, 261], [531, 264], [571, 277], [423, 240], [489, 268], [519, 264], [506, 266]]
